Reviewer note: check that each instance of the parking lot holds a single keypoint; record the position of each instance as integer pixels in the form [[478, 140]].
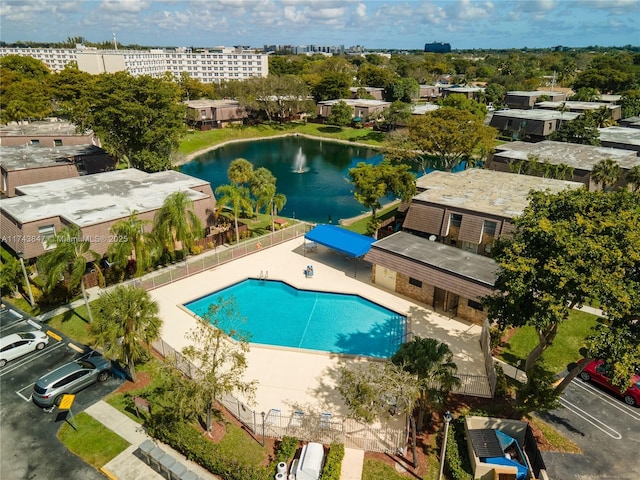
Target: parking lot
[[28, 442], [604, 427]]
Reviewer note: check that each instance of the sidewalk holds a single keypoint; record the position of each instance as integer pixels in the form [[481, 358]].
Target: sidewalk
[[128, 465]]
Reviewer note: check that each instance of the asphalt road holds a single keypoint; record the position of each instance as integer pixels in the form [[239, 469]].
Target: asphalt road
[[604, 427], [29, 448]]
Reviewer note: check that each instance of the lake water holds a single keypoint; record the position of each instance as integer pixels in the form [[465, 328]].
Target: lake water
[[313, 174]]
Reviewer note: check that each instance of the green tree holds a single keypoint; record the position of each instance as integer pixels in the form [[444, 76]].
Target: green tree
[[586, 95], [451, 134], [607, 74], [402, 89], [238, 199], [139, 120], [397, 114], [132, 243], [607, 172], [126, 323], [332, 85], [218, 362], [25, 99], [65, 264], [240, 171], [10, 276], [263, 187], [432, 364], [461, 102], [176, 224], [278, 97], [374, 182], [633, 177], [582, 130], [569, 247], [630, 104], [341, 114], [370, 75]]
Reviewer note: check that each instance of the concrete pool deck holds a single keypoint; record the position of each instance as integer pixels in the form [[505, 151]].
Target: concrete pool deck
[[294, 379]]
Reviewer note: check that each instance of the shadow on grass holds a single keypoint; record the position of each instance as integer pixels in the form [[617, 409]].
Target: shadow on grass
[[330, 129], [69, 315], [373, 136]]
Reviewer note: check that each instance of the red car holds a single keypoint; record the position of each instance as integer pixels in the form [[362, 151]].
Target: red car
[[596, 372]]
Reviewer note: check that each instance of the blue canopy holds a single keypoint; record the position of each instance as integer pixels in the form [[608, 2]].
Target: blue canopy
[[340, 239]]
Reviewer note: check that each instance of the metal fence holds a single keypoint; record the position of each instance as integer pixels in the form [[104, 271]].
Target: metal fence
[[489, 364], [309, 427], [218, 256]]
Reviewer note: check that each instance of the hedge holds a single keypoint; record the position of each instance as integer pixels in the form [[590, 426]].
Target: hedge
[[458, 467], [333, 464]]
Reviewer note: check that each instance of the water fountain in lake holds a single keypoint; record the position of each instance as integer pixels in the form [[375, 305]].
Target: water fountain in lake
[[300, 162]]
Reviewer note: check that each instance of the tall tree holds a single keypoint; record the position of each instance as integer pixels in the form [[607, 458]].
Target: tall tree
[[432, 364], [132, 243], [176, 223], [461, 102], [66, 262], [582, 130], [332, 85], [263, 187], [238, 199], [568, 247], [607, 172], [240, 171], [633, 177], [341, 114], [450, 134], [219, 362], [374, 182], [126, 320]]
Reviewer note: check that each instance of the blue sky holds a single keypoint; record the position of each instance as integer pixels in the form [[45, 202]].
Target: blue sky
[[375, 24]]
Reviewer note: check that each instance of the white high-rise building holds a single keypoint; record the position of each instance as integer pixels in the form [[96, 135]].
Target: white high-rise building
[[209, 65]]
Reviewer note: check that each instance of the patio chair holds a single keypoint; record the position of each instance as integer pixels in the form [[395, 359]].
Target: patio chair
[[296, 419]]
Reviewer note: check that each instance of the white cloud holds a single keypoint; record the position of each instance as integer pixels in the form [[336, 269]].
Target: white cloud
[[122, 6], [468, 10]]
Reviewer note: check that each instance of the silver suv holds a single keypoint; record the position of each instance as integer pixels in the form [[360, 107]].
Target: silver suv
[[70, 378]]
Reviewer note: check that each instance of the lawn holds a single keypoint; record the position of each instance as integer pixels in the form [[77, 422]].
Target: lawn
[[74, 324], [563, 351], [92, 441], [360, 225], [377, 469], [195, 141]]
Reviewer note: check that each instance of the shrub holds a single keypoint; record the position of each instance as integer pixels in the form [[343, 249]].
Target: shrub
[[196, 250], [286, 449], [333, 464], [502, 388], [457, 466]]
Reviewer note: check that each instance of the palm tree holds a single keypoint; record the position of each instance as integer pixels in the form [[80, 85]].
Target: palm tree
[[176, 223], [263, 187], [238, 199], [132, 243], [127, 317], [633, 177], [432, 362], [67, 262], [606, 172], [240, 171]]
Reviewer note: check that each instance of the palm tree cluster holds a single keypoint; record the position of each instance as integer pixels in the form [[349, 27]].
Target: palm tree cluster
[[250, 191]]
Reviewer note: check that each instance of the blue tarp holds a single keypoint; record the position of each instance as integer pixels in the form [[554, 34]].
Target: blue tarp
[[340, 239], [506, 442]]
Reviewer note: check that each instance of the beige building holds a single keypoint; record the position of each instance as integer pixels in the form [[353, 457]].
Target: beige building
[[30, 164], [207, 114], [529, 124], [581, 158], [51, 132], [362, 108], [30, 221], [527, 100]]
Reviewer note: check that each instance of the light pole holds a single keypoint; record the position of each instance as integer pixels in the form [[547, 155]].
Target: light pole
[[26, 280], [447, 420]]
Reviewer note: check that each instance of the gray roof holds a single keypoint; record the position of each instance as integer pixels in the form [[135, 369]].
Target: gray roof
[[99, 198], [534, 93], [356, 102], [583, 157], [31, 156], [422, 109], [576, 105], [487, 191], [536, 114], [49, 127], [205, 103], [440, 256], [629, 136]]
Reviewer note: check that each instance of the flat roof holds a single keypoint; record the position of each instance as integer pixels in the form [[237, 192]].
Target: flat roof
[[496, 193], [422, 109], [355, 102], [204, 103], [99, 198], [33, 156], [583, 157], [536, 114], [627, 135], [443, 257], [576, 105], [49, 127], [463, 89], [534, 93]]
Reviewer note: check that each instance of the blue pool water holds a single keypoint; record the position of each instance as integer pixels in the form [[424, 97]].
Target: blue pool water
[[275, 313]]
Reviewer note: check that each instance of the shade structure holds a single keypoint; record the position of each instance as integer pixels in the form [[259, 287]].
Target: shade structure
[[340, 239]]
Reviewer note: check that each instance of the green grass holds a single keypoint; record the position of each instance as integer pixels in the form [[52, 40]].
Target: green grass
[[74, 324], [93, 442], [360, 226], [377, 469], [237, 444], [195, 141], [559, 443], [565, 348]]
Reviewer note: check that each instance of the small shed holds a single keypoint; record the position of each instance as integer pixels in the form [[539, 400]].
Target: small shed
[[309, 465]]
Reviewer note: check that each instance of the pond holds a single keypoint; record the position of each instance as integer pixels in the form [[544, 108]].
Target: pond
[[313, 174]]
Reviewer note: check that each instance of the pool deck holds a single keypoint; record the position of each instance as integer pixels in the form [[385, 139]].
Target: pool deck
[[294, 379]]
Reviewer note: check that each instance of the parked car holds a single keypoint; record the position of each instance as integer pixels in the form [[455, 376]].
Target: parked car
[[70, 378], [19, 344], [596, 371]]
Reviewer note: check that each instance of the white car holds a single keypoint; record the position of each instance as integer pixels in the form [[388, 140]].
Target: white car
[[19, 344]]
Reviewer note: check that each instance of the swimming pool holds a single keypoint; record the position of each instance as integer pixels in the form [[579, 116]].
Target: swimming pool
[[278, 314]]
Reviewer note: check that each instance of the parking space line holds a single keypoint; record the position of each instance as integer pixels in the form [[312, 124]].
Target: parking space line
[[31, 358], [592, 420], [620, 405], [25, 388]]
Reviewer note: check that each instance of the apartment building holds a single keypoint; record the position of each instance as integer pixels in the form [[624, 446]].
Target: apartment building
[[210, 65]]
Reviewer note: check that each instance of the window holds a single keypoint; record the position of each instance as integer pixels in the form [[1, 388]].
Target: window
[[57, 142], [489, 228], [35, 141], [474, 305], [455, 220], [415, 282], [48, 236]]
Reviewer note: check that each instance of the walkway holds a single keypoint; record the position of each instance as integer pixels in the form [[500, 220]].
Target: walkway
[[128, 465]]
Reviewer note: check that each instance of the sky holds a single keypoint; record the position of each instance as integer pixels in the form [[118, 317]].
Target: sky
[[390, 24]]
